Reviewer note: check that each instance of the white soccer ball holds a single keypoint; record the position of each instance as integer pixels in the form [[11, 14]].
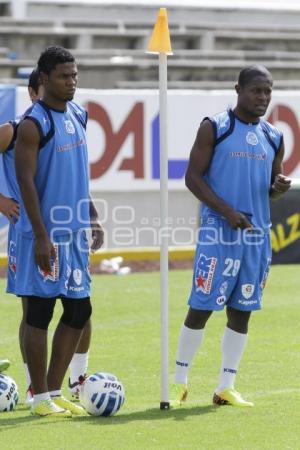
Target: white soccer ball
[[102, 394], [9, 395]]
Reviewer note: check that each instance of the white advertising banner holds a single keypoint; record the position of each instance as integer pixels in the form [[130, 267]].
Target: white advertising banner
[[123, 133]]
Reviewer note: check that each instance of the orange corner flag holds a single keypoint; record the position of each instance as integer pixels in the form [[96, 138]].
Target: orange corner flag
[[160, 38]]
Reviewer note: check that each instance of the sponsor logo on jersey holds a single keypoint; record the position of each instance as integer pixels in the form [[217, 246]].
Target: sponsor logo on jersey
[[76, 289], [221, 300], [251, 138], [247, 302], [205, 269], [70, 146], [223, 287], [247, 290], [70, 129], [250, 155], [53, 275]]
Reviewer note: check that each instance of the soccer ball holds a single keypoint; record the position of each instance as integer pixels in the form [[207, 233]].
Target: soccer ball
[[102, 394], [9, 395]]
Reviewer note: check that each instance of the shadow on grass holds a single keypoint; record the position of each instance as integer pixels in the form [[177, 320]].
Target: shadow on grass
[[179, 414], [7, 420]]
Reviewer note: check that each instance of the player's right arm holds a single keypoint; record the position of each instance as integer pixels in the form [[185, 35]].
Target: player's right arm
[[200, 159], [8, 207], [26, 155]]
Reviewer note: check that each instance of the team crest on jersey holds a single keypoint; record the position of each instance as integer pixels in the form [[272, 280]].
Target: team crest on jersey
[[69, 127], [247, 290], [12, 258], [205, 270], [251, 138], [53, 275], [77, 275]]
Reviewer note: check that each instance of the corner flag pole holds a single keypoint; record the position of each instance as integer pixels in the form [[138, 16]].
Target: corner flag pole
[[160, 44]]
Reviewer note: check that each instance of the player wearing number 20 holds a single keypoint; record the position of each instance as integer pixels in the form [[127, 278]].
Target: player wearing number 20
[[235, 166]]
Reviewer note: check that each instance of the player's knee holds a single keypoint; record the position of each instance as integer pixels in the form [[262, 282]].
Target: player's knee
[[39, 312], [238, 320], [76, 312], [196, 319]]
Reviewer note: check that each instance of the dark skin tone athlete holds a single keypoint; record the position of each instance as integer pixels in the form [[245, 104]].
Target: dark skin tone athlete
[[253, 101], [59, 87]]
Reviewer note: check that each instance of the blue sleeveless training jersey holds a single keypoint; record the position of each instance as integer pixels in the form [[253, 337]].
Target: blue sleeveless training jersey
[[9, 164], [9, 159], [241, 167], [13, 190], [62, 177]]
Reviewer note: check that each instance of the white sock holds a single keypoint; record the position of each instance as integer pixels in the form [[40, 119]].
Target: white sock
[[188, 344], [27, 375], [37, 398], [232, 346], [78, 366], [55, 393]]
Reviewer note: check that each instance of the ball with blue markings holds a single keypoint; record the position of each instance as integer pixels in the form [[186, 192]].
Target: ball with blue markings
[[102, 394], [9, 395]]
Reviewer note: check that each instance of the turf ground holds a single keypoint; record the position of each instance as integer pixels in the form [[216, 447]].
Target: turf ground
[[126, 342]]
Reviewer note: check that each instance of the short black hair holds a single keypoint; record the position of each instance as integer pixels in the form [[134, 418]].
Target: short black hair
[[34, 80], [248, 73], [52, 56]]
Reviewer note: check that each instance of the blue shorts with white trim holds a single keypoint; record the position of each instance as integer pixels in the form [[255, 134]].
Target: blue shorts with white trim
[[230, 268]]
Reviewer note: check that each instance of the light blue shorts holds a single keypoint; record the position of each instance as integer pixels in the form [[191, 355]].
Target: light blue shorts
[[69, 275], [230, 268]]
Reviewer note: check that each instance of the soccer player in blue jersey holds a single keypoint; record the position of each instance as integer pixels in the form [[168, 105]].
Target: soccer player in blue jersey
[[235, 166], [10, 208], [52, 248], [9, 205]]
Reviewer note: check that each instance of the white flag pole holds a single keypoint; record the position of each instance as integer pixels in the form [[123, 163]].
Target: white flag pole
[[160, 43], [164, 245]]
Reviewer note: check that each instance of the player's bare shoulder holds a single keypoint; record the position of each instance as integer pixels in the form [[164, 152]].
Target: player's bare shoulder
[[28, 132]]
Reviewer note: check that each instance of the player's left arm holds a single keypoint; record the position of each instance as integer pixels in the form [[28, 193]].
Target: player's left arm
[[279, 183], [8, 206], [6, 135], [97, 230]]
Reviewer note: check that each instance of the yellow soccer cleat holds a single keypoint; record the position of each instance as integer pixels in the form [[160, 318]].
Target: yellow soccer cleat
[[47, 408], [62, 402], [230, 397], [4, 364], [178, 394]]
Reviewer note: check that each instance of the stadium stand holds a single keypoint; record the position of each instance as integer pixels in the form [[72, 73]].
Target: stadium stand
[[109, 40]]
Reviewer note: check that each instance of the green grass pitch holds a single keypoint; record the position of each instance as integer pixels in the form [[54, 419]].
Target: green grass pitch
[[126, 342]]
